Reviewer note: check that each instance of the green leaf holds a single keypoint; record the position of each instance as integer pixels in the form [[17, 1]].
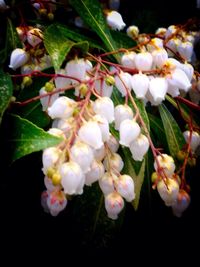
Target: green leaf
[[138, 179], [12, 37], [122, 40], [91, 13], [27, 138], [173, 133], [75, 36], [58, 46], [6, 90]]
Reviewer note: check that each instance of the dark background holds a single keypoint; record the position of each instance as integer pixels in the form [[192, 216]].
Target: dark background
[[152, 230]]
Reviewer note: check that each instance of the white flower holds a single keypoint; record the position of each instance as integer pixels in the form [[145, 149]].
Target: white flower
[[158, 88], [48, 100], [113, 163], [159, 57], [129, 131], [168, 191], [106, 183], [72, 178], [188, 69], [140, 85], [18, 58], [3, 5], [179, 79], [185, 49], [114, 204], [77, 68], [115, 21], [103, 88], [127, 60], [167, 163], [143, 61], [104, 107], [34, 36], [181, 204], [161, 31], [95, 173], [123, 82], [173, 90], [100, 153], [122, 112], [170, 30], [49, 185], [50, 157], [66, 125], [62, 82], [125, 187], [195, 139], [103, 125], [62, 108], [155, 44], [139, 147], [132, 31], [90, 133], [82, 154], [112, 144]]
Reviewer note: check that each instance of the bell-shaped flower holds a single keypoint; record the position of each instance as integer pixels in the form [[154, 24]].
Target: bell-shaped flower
[[113, 162], [168, 190], [127, 60], [34, 37], [155, 44], [140, 85], [66, 126], [106, 182], [104, 107], [173, 90], [76, 68], [103, 125], [47, 101], [114, 204], [143, 61], [161, 31], [82, 154], [179, 79], [158, 88], [115, 21], [166, 162], [185, 49], [188, 69], [72, 178], [123, 82], [99, 154], [62, 82], [49, 185], [18, 58], [125, 187], [103, 88], [122, 112], [194, 141], [129, 131], [62, 108], [56, 202], [112, 144], [95, 173], [170, 30], [132, 31], [139, 147], [50, 157], [159, 57], [90, 133], [181, 204]]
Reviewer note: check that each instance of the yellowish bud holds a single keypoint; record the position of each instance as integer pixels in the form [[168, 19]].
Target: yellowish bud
[[49, 86], [110, 80], [56, 179]]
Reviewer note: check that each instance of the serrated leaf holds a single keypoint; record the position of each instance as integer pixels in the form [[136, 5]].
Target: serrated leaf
[[75, 36], [173, 133], [138, 179], [6, 91], [12, 37], [58, 46], [91, 13], [27, 138]]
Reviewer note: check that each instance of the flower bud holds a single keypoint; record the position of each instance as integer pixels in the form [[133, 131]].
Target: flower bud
[[72, 178], [106, 183], [95, 173], [140, 85], [125, 187], [129, 131], [56, 202], [143, 61], [181, 204], [166, 162], [114, 204], [195, 139], [100, 153], [127, 60], [132, 31], [115, 21], [113, 163], [112, 144], [18, 58], [34, 37], [185, 49], [139, 147], [122, 112], [50, 157], [168, 191], [104, 107]]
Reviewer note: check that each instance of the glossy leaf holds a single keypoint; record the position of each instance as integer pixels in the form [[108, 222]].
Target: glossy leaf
[[27, 138], [12, 37], [173, 133], [122, 40], [6, 90], [91, 13], [58, 46]]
